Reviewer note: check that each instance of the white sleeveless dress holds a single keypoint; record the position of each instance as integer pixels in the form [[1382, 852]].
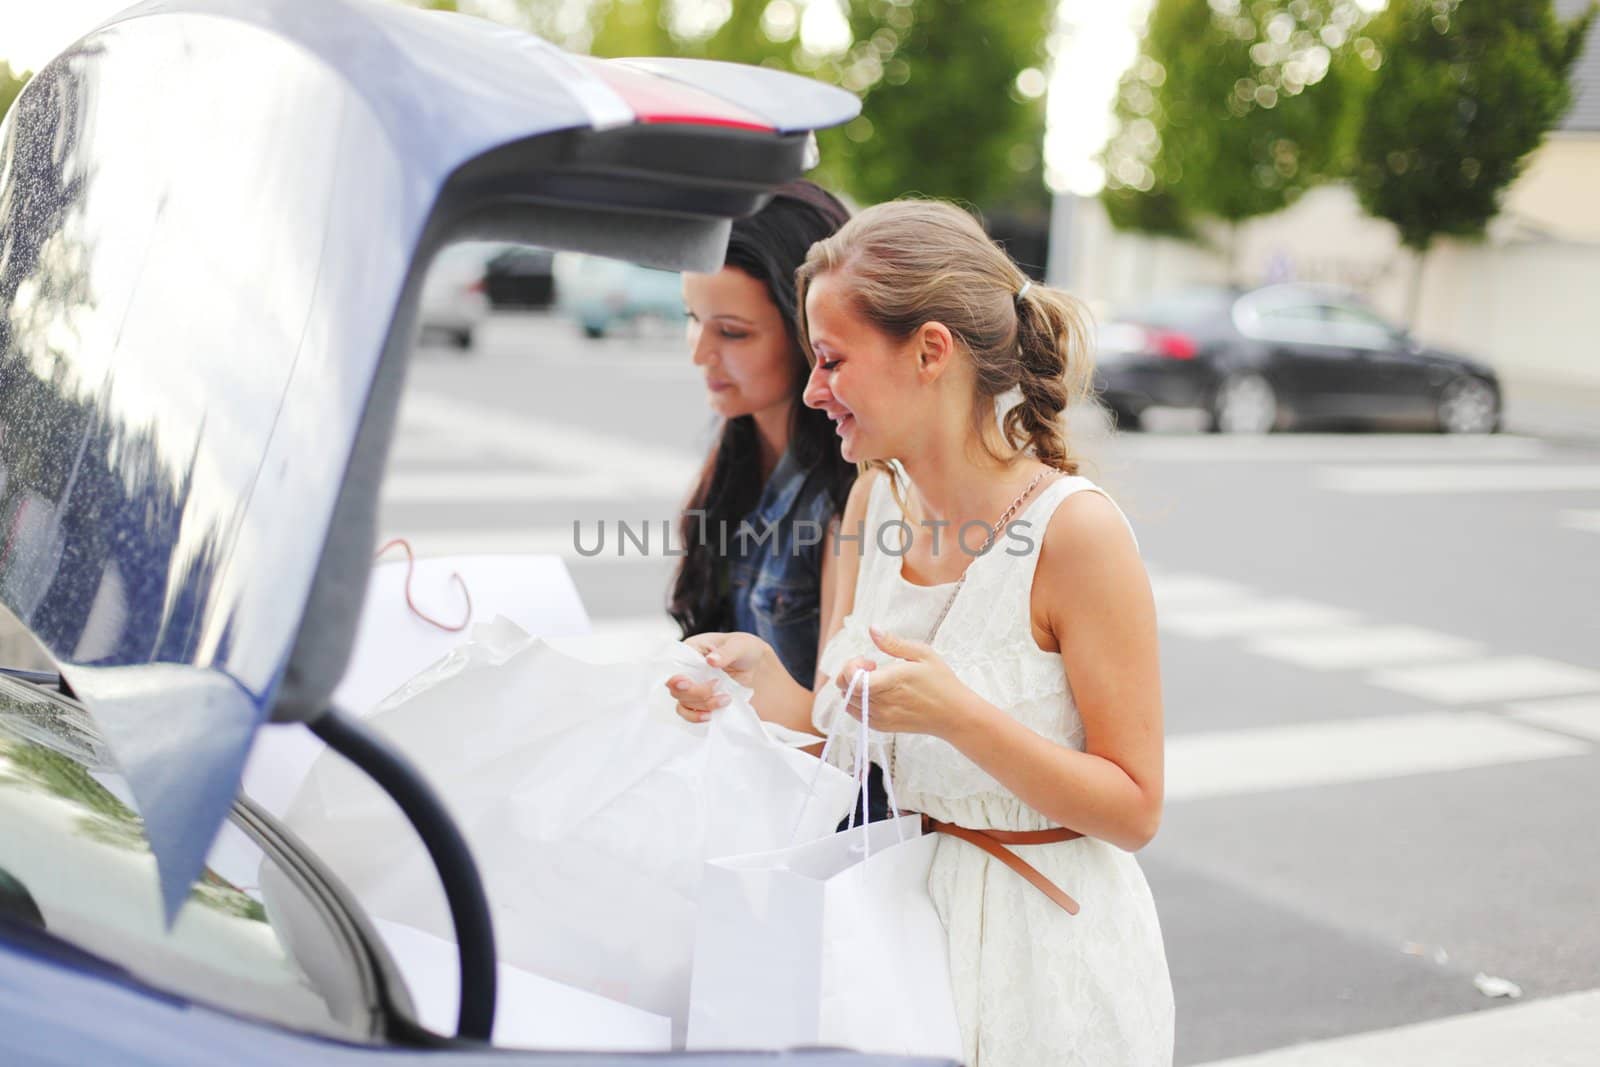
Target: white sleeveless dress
[[1034, 986]]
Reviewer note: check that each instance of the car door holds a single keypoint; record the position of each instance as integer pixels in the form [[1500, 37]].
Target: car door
[[1312, 367], [1388, 380]]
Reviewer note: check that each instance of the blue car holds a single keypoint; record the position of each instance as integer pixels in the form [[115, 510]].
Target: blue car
[[600, 294], [215, 221]]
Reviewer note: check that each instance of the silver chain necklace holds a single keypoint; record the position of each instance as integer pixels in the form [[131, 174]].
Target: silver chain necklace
[[988, 542], [893, 768]]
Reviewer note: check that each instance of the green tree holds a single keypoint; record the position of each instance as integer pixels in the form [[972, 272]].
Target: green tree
[[943, 110], [11, 84], [1462, 94], [1232, 110]]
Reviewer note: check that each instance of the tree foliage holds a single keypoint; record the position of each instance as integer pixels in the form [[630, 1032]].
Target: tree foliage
[[946, 117], [1231, 110], [1462, 94], [11, 84]]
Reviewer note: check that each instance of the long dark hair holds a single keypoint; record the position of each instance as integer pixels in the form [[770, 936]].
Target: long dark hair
[[768, 246]]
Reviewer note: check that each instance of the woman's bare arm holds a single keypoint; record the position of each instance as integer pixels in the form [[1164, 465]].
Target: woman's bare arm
[[1096, 597]]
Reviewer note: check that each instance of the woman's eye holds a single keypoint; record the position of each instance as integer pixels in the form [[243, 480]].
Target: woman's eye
[[734, 335], [828, 364]]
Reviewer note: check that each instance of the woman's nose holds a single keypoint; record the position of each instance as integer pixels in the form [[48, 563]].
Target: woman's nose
[[700, 346], [816, 392]]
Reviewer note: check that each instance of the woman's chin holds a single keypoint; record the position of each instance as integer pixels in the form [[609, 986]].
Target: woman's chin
[[851, 446]]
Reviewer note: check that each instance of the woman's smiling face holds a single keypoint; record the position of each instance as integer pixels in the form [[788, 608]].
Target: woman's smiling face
[[738, 340], [862, 377]]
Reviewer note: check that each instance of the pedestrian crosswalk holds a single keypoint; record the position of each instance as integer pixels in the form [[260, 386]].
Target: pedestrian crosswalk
[[434, 426], [1490, 709], [1354, 646], [1585, 519], [1306, 755], [1478, 680], [581, 545], [1488, 705], [1578, 716], [1328, 448], [1253, 616], [1561, 1031], [441, 487], [1411, 480]]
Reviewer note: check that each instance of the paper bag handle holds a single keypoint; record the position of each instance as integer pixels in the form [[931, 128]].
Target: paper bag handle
[[863, 764]]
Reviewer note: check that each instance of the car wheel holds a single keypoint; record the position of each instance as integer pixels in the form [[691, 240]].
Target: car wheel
[[593, 333], [1245, 403], [1469, 405], [463, 340]]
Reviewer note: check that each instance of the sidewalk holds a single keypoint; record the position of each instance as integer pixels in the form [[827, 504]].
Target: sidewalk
[[1559, 411], [1559, 1031]]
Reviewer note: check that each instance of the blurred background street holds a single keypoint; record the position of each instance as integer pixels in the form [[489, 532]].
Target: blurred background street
[[1381, 657]]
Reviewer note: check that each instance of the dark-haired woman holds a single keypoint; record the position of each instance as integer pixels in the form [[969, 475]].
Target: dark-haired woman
[[759, 528]]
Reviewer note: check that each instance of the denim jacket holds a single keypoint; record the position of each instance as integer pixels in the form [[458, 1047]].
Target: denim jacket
[[775, 567]]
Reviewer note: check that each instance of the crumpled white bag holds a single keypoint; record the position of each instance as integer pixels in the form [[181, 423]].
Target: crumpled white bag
[[590, 806], [865, 960]]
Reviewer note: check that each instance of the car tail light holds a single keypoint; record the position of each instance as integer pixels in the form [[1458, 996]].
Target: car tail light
[[1171, 344], [478, 286]]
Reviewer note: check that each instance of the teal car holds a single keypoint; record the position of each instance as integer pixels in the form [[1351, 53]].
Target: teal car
[[602, 294]]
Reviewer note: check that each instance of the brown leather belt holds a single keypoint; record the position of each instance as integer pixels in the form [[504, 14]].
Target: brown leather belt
[[994, 842]]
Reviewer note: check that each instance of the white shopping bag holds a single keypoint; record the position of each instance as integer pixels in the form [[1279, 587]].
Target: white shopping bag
[[590, 806], [531, 1012], [833, 942], [400, 635]]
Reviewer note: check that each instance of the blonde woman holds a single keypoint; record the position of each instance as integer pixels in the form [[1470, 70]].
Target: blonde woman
[[999, 601]]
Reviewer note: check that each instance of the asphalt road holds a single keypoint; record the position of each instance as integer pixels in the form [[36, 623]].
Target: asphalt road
[[1381, 659]]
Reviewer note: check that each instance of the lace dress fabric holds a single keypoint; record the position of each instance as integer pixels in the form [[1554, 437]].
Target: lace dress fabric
[[1034, 986]]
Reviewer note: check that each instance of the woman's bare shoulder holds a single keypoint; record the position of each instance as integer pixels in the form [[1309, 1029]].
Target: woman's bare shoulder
[[1087, 539]]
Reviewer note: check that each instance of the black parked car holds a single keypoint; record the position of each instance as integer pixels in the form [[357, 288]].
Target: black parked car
[[1287, 356], [521, 277]]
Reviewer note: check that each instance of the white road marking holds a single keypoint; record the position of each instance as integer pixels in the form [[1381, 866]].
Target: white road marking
[[1354, 647], [546, 540], [1498, 679], [1561, 1031], [554, 446], [414, 446], [1579, 716], [1269, 758], [1465, 478], [1324, 448], [1249, 617], [1585, 519], [1178, 591], [509, 486]]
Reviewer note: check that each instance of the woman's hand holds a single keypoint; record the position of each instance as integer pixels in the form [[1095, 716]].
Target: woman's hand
[[744, 657], [917, 693]]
